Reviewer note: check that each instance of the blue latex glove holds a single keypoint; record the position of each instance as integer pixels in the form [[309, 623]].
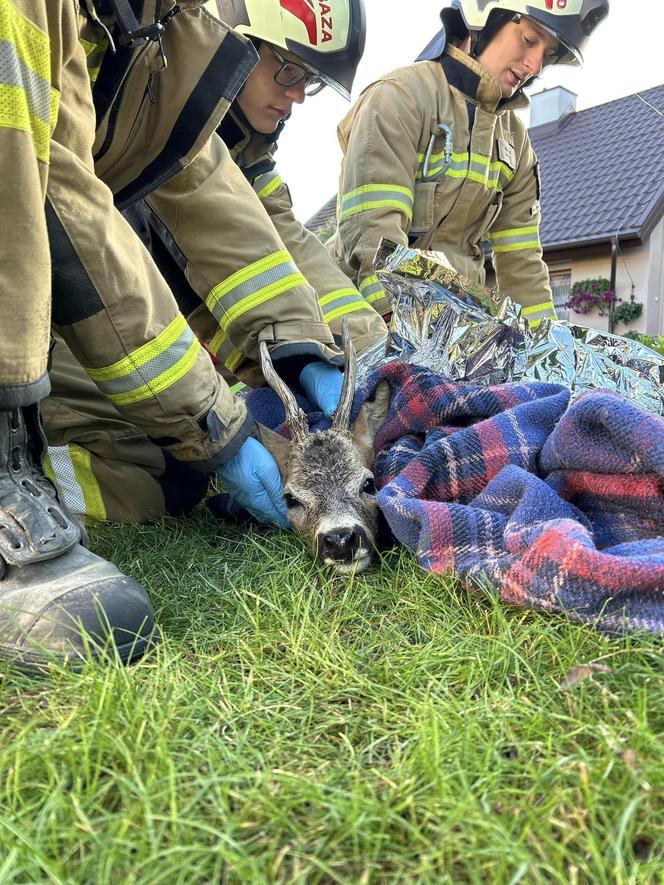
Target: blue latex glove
[[252, 479], [322, 384]]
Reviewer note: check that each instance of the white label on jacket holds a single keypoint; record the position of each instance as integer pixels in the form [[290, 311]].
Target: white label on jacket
[[507, 154]]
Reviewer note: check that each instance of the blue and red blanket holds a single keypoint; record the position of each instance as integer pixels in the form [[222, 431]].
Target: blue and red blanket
[[548, 505], [515, 491]]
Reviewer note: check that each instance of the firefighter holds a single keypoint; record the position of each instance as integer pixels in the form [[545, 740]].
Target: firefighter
[[435, 156], [232, 274], [295, 63], [68, 257]]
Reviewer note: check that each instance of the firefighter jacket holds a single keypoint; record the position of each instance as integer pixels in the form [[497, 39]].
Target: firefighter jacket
[[338, 297], [29, 101], [147, 129], [434, 158]]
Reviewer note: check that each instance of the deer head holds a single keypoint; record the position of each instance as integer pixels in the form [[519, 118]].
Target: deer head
[[328, 482]]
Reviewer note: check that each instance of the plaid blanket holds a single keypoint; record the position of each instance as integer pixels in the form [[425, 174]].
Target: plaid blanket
[[512, 490], [517, 493]]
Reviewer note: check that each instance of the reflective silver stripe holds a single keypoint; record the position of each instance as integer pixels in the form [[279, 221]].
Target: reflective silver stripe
[[338, 303], [492, 173], [15, 72], [65, 476], [268, 183], [375, 196], [372, 289], [149, 370], [515, 239], [219, 302]]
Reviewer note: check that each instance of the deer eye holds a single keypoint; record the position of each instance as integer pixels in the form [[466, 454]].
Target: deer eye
[[291, 500], [369, 486]]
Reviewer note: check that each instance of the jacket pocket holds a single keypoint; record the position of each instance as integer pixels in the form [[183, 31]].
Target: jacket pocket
[[481, 231], [424, 206]]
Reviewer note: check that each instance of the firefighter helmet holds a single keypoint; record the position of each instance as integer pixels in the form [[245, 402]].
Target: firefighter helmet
[[327, 35], [570, 21]]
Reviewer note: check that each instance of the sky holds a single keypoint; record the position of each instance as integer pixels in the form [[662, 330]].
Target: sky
[[619, 61]]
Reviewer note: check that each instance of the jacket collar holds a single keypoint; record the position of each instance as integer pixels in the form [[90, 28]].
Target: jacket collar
[[236, 131], [476, 83]]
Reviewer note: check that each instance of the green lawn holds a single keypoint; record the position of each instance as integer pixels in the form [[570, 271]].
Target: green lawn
[[297, 728]]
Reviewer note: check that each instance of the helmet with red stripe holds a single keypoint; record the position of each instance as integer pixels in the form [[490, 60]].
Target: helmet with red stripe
[[327, 35]]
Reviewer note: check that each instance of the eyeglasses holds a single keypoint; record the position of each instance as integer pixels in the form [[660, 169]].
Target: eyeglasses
[[290, 73]]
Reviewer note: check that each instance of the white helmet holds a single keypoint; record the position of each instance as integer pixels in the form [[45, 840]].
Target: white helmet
[[570, 21], [328, 35]]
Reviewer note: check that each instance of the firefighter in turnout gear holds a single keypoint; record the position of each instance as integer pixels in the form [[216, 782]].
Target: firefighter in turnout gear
[[435, 157], [297, 58], [243, 284], [70, 259]]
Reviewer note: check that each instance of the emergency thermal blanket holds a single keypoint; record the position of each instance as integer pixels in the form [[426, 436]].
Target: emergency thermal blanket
[[519, 494]]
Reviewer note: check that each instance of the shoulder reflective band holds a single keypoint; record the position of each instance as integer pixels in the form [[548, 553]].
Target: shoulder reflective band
[[152, 368], [27, 100], [515, 239], [372, 289], [340, 303], [70, 468], [267, 184], [249, 287], [377, 196]]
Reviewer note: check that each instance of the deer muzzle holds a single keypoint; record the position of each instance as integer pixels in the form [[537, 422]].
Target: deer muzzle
[[344, 548]]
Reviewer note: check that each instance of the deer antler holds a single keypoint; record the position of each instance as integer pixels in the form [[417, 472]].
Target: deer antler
[[296, 420], [341, 419]]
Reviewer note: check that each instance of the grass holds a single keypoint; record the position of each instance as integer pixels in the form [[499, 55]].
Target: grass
[[293, 727]]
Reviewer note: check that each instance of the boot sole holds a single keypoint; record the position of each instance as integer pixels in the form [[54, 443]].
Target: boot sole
[[33, 661]]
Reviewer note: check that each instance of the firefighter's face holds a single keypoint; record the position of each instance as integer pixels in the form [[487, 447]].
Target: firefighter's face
[[263, 101], [517, 53]]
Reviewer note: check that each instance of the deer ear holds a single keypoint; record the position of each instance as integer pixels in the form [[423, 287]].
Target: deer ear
[[277, 445], [369, 419]]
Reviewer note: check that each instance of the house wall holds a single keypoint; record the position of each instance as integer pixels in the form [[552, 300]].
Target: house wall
[[655, 319], [642, 263]]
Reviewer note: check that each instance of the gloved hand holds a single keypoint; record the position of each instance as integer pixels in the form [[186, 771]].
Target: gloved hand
[[252, 479], [322, 384]]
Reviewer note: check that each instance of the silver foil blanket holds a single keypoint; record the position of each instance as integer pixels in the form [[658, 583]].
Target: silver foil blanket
[[466, 332]]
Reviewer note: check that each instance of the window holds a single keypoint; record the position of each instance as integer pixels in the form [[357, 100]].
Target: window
[[561, 284]]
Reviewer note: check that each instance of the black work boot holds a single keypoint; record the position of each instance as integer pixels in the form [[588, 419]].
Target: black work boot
[[58, 601]]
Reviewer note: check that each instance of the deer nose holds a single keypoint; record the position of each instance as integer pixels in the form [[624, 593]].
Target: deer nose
[[342, 544]]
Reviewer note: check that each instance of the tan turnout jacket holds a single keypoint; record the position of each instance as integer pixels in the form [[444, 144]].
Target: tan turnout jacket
[[337, 296], [146, 130], [435, 159]]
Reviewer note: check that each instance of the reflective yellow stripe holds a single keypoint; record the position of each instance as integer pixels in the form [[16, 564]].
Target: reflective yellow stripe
[[516, 247], [545, 310], [273, 183], [249, 287], [372, 289], [28, 101], [341, 302], [70, 468], [94, 53], [338, 293], [143, 355], [152, 368], [476, 167], [513, 232], [538, 308], [343, 310], [377, 196], [515, 239], [233, 361]]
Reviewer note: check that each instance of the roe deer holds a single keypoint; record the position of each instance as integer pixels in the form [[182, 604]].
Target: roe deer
[[328, 483]]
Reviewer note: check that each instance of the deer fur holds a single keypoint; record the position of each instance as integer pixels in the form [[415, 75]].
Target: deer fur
[[328, 481]]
